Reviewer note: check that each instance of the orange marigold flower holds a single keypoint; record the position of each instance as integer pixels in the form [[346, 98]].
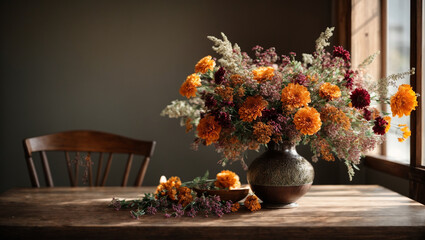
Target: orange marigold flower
[[295, 96], [205, 64], [332, 114], [188, 88], [169, 188], [388, 120], [263, 74], [209, 129], [406, 132], [188, 125], [307, 121], [329, 91], [313, 78], [404, 101], [236, 80], [227, 179], [241, 92], [325, 150], [277, 138], [235, 207], [252, 108], [225, 92], [262, 132], [185, 196], [251, 202]]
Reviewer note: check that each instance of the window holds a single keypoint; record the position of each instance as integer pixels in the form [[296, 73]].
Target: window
[[400, 29], [397, 60]]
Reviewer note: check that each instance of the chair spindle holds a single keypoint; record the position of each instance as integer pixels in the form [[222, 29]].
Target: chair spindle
[[108, 167], [127, 169], [46, 168], [99, 168]]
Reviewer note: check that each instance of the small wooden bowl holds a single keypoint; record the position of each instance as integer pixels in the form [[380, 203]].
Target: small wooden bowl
[[233, 195]]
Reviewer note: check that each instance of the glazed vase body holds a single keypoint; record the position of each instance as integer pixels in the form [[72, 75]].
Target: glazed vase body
[[280, 176]]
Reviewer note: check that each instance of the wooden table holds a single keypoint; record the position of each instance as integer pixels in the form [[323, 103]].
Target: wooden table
[[325, 212]]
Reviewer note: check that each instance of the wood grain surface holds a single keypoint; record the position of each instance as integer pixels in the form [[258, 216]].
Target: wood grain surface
[[325, 212]]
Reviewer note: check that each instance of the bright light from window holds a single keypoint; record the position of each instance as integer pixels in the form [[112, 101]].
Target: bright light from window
[[398, 60]]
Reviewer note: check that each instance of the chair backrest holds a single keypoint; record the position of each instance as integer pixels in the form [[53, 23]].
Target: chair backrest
[[89, 142]]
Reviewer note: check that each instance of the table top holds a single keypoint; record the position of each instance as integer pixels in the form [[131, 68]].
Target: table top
[[325, 212]]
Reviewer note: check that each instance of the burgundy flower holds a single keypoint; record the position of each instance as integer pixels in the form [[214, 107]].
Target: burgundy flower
[[380, 125], [223, 119], [360, 98], [219, 75], [210, 101], [300, 78], [270, 114], [367, 114], [348, 79], [342, 53]]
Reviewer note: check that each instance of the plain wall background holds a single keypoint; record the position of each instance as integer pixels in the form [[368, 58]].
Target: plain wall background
[[114, 65]]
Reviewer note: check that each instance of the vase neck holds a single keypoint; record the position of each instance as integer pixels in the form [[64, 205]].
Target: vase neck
[[284, 146]]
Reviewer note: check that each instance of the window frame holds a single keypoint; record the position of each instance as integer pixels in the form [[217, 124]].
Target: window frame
[[415, 171]]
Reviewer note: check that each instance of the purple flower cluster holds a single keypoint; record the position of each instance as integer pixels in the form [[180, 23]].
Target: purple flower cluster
[[351, 145], [192, 212], [212, 205], [285, 61], [271, 89], [265, 58], [300, 78], [151, 210], [178, 210]]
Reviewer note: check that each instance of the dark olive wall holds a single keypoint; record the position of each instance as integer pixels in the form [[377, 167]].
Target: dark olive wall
[[114, 65]]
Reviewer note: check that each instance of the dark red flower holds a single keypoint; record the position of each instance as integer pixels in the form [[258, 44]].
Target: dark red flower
[[219, 75], [348, 79], [210, 101], [342, 53], [223, 119], [367, 114], [360, 98], [380, 125]]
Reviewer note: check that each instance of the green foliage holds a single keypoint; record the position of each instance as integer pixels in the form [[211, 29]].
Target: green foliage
[[200, 182]]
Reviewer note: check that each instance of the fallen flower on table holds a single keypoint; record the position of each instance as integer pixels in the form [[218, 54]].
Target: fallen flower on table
[[251, 202], [176, 199], [235, 207]]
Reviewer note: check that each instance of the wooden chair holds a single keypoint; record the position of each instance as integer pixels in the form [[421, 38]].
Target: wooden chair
[[78, 142]]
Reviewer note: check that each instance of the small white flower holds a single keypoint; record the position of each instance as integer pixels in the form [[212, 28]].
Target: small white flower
[[322, 41], [307, 58]]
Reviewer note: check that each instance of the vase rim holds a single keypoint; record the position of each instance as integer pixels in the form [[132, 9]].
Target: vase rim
[[283, 143]]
